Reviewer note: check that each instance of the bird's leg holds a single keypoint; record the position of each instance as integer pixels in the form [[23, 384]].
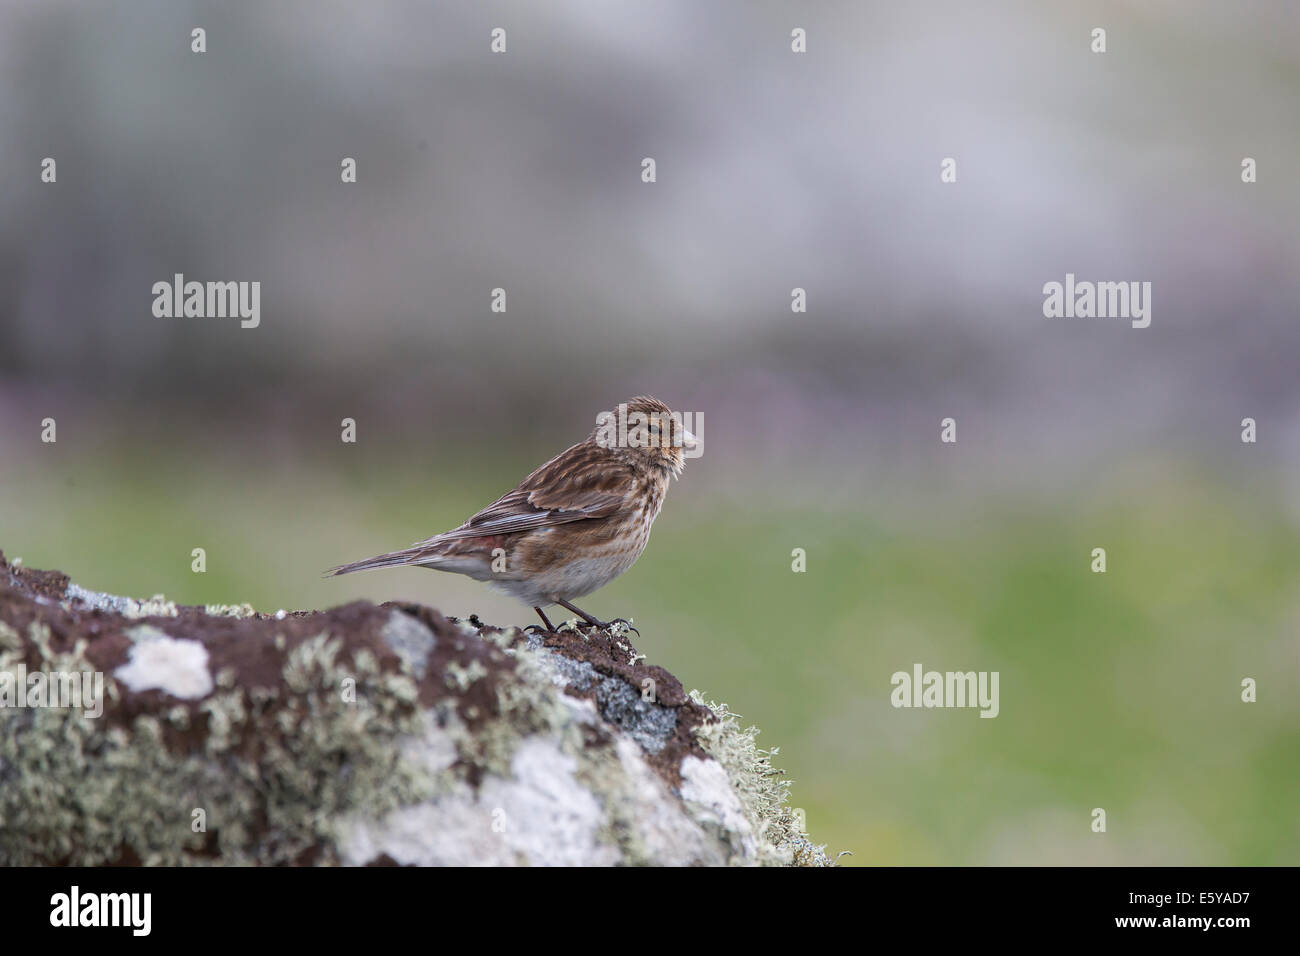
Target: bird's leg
[[544, 620], [596, 622]]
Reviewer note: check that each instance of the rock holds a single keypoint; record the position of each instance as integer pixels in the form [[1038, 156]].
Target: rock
[[149, 733]]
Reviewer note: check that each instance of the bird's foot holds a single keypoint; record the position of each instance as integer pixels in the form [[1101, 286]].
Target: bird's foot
[[614, 628], [607, 626]]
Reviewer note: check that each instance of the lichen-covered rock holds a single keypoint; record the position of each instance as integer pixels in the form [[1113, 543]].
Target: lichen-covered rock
[[143, 732]]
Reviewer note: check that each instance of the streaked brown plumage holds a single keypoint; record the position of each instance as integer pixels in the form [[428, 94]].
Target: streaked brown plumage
[[573, 525]]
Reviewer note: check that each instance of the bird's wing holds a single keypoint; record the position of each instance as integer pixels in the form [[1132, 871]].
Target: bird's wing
[[577, 485], [517, 512]]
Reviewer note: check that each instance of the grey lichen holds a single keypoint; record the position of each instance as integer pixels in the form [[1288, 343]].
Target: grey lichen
[[75, 791], [621, 704], [763, 791]]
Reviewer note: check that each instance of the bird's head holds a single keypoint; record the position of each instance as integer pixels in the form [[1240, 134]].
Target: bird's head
[[647, 431]]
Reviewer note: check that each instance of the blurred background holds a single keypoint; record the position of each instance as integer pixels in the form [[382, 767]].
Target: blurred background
[[775, 170]]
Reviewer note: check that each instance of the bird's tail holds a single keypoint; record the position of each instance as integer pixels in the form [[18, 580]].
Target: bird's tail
[[393, 559]]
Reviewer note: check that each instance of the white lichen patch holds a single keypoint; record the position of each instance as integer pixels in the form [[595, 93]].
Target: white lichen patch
[[538, 815], [230, 610], [706, 790], [411, 640], [653, 826], [549, 817], [156, 606], [160, 662]]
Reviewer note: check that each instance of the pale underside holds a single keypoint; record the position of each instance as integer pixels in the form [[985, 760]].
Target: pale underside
[[567, 580]]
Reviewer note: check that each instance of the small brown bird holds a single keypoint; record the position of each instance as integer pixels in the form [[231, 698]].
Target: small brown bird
[[574, 524]]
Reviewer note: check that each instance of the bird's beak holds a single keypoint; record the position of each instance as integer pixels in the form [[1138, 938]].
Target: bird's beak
[[692, 447]]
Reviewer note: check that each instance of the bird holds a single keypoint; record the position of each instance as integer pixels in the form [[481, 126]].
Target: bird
[[575, 523]]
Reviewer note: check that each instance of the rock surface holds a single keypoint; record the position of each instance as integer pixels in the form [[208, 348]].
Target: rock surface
[[146, 733]]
